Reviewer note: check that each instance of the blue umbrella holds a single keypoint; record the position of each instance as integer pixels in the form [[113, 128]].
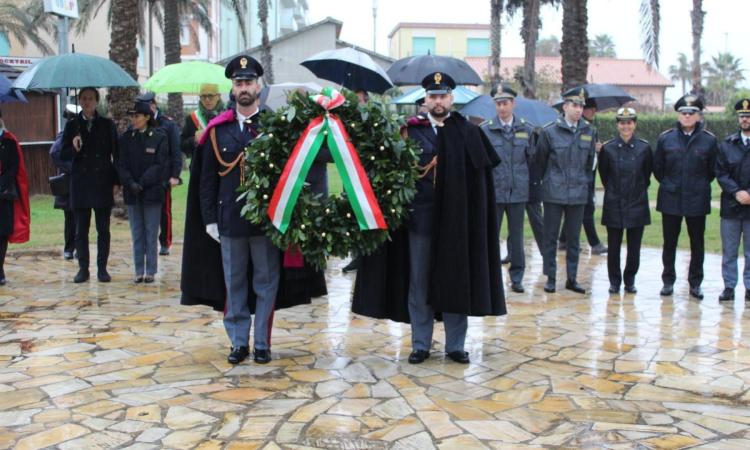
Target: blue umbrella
[[461, 96], [535, 112], [8, 94]]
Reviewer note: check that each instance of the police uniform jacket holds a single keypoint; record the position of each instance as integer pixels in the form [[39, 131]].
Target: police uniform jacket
[[172, 131], [733, 174], [516, 151], [420, 217], [93, 172], [144, 159], [218, 196], [684, 167], [566, 161], [625, 170]]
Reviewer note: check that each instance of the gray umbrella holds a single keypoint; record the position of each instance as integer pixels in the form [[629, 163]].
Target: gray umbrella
[[411, 70]]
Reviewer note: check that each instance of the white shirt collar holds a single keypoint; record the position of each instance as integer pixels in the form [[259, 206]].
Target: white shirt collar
[[503, 123], [744, 137], [436, 123], [571, 125], [241, 119]]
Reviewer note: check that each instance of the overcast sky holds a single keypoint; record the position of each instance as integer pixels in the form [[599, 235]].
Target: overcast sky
[[726, 26]]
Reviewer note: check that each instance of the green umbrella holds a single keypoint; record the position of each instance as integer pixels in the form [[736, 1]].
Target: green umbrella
[[187, 77], [73, 70]]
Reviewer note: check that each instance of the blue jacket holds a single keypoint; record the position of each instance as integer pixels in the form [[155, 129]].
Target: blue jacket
[[144, 160], [684, 168], [516, 151], [625, 170], [733, 174]]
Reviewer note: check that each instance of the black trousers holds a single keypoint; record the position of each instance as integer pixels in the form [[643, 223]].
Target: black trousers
[[83, 221], [3, 251], [588, 221], [553, 213], [70, 231], [514, 212], [165, 233], [671, 227], [633, 259]]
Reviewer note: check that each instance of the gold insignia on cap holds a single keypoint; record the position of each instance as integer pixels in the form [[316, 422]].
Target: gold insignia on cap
[[243, 63], [582, 94], [438, 77], [625, 112], [745, 105], [689, 100]]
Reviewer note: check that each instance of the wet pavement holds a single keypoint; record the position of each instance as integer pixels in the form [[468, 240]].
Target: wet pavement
[[123, 366]]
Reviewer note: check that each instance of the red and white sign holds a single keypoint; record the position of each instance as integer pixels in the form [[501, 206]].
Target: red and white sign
[[18, 61]]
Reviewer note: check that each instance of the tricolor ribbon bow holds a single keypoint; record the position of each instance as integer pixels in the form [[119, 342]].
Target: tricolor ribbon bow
[[326, 128]]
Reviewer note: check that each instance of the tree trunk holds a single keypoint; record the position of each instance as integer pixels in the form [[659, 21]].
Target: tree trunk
[[530, 35], [496, 12], [265, 58], [696, 17], [123, 50], [574, 48], [172, 52]]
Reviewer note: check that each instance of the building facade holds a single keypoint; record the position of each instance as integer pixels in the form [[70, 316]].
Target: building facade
[[457, 40]]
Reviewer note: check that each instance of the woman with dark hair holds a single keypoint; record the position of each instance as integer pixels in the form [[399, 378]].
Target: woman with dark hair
[[14, 195], [625, 165], [144, 173], [90, 142]]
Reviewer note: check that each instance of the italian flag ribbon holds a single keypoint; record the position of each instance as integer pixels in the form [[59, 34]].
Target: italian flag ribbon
[[326, 128]]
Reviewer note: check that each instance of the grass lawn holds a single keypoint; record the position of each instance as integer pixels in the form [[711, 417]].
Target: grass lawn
[[47, 223]]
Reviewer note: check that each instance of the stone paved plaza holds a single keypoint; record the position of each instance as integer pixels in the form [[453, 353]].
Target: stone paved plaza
[[123, 366]]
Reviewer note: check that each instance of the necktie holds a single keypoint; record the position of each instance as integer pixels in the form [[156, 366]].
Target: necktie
[[89, 124], [747, 142], [506, 129]]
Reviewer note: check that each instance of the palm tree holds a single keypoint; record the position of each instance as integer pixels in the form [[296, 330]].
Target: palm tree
[[724, 73], [265, 55], [25, 21], [123, 51], [602, 46], [574, 48], [696, 17], [680, 71], [650, 18], [496, 12]]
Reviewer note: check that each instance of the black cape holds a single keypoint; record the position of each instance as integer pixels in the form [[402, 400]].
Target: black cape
[[465, 273], [202, 277]]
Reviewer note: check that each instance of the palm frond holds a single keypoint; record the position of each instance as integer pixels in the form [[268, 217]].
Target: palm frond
[[650, 18]]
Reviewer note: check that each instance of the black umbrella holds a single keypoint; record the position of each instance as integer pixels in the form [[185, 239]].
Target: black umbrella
[[350, 68], [604, 96], [411, 70], [535, 112]]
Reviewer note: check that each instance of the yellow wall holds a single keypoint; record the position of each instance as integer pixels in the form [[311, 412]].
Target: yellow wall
[[448, 41]]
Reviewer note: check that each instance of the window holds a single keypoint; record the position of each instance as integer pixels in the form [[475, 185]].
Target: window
[[185, 33], [422, 45], [477, 47], [4, 44], [141, 56]]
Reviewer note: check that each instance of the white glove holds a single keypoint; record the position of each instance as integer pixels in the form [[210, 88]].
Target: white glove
[[212, 230]]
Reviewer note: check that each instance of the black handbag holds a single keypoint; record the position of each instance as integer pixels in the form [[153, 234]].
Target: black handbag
[[10, 193], [59, 184]]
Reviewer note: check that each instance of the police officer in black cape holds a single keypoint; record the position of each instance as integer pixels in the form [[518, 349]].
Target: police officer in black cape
[[202, 277], [445, 260]]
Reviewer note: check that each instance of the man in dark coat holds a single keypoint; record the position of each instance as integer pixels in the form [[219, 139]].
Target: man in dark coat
[[625, 165], [684, 161], [90, 141], [450, 248], [565, 155], [172, 130], [733, 174], [512, 139]]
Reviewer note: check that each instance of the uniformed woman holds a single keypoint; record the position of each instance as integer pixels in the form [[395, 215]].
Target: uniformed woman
[[625, 164], [144, 174]]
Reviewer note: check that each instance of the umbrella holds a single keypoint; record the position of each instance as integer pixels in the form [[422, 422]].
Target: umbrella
[[604, 96], [461, 96], [73, 70], [275, 95], [535, 112], [8, 94], [188, 77], [411, 70], [350, 68]]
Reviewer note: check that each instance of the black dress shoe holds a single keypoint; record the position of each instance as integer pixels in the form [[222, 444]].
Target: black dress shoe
[[148, 279], [696, 292], [549, 286], [81, 276], [575, 287], [262, 355], [238, 355], [164, 251], [614, 289], [517, 287], [2, 281], [418, 356], [630, 289], [68, 255], [505, 260], [103, 276], [726, 295], [668, 289], [352, 266], [138, 279], [459, 356]]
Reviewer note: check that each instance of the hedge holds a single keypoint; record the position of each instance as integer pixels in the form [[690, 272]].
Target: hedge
[[650, 126]]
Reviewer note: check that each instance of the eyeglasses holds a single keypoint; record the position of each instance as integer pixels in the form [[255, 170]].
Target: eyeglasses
[[208, 96]]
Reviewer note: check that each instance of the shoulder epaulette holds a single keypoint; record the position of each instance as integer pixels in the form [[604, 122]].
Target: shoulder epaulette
[[708, 132], [643, 140], [607, 142], [665, 132], [732, 137], [486, 122]]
